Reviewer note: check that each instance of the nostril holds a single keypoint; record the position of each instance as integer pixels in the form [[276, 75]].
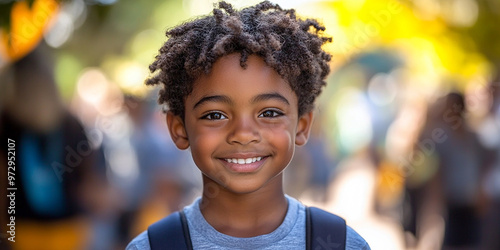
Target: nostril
[[244, 137], [243, 131]]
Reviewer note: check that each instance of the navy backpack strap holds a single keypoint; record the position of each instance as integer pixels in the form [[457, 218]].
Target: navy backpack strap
[[324, 230], [171, 232]]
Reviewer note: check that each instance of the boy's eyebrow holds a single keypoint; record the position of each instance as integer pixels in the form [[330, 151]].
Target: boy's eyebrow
[[226, 99], [268, 96], [213, 98]]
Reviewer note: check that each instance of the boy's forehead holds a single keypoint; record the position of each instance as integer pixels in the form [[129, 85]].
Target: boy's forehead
[[228, 68], [227, 74]]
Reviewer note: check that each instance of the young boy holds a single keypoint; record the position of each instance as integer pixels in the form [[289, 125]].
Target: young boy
[[240, 87]]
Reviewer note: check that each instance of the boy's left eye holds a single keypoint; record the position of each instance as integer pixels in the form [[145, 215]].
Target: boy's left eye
[[270, 113], [214, 116]]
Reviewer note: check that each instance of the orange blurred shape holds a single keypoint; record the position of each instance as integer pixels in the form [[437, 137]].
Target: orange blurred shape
[[71, 233], [390, 183], [27, 26]]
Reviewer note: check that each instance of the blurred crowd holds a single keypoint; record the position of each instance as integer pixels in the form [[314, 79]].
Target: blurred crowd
[[95, 172], [92, 174]]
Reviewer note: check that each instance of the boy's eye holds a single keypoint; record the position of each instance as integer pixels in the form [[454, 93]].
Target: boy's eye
[[214, 116], [270, 113]]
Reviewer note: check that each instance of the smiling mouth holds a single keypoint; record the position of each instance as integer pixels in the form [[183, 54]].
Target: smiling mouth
[[244, 165], [244, 161]]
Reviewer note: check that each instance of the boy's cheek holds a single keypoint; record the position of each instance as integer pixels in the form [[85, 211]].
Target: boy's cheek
[[206, 133], [277, 126], [279, 138]]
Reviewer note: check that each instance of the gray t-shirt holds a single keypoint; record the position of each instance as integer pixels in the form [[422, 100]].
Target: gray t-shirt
[[289, 235]]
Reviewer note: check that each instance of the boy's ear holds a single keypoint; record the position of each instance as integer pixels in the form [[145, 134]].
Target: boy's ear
[[303, 128], [177, 131]]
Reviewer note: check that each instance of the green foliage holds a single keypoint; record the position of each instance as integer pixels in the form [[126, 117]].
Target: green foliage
[[5, 11], [5, 15]]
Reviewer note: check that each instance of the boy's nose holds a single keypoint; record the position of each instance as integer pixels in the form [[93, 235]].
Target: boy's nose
[[244, 131]]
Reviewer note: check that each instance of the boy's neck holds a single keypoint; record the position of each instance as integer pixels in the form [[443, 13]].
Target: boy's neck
[[246, 215]]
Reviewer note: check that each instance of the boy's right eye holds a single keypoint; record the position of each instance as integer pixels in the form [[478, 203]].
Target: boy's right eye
[[214, 116]]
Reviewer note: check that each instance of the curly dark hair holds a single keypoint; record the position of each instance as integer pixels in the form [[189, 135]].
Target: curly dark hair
[[289, 45]]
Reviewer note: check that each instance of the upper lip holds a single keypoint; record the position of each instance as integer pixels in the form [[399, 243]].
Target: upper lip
[[243, 156]]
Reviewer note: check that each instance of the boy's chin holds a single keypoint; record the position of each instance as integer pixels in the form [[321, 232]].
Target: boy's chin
[[243, 190], [239, 186]]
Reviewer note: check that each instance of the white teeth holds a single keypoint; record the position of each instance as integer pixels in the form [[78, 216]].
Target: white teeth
[[244, 161]]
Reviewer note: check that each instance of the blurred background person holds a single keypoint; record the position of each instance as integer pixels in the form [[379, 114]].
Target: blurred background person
[[456, 161], [490, 136], [53, 158], [462, 162]]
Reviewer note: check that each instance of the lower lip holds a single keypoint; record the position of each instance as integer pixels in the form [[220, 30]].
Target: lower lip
[[244, 168]]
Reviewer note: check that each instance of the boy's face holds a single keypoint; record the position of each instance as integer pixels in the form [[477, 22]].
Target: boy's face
[[242, 125]]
